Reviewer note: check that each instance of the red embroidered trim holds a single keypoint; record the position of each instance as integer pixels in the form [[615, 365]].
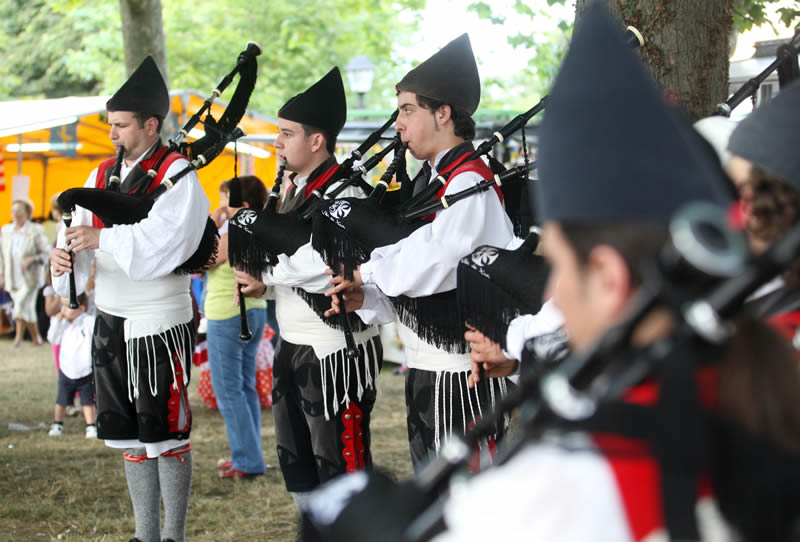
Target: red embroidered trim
[[475, 462], [178, 398], [353, 448], [136, 458], [321, 180], [178, 452]]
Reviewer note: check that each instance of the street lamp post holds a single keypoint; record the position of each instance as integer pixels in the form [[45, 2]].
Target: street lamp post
[[360, 74]]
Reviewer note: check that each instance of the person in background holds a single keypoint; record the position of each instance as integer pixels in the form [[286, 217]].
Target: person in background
[[233, 361], [72, 329], [23, 252]]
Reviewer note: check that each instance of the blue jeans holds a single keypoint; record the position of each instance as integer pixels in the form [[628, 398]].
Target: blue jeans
[[233, 376]]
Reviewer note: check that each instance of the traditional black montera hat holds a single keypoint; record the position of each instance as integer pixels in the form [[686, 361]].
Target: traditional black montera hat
[[609, 148], [449, 76], [766, 136], [322, 106], [144, 92]]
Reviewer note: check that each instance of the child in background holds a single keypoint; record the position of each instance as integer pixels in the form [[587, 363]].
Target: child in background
[[72, 330]]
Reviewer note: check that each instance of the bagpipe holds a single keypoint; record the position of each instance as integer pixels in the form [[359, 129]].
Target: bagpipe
[[702, 276], [349, 228], [788, 70], [114, 207], [495, 285], [257, 238]]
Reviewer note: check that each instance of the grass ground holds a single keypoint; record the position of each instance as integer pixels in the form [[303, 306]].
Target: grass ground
[[71, 488]]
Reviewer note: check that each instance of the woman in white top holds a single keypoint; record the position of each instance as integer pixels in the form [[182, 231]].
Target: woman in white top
[[23, 253]]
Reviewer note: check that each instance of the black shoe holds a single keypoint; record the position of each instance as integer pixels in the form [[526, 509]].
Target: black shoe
[[134, 539], [168, 540]]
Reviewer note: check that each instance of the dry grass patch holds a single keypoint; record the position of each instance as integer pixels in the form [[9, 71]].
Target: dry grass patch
[[70, 488]]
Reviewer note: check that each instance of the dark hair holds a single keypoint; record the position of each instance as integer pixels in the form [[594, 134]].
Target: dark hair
[[636, 242], [463, 123], [774, 208], [759, 384], [330, 140], [253, 191], [141, 118], [83, 300]]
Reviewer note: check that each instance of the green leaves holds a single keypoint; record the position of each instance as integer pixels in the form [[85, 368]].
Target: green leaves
[[62, 47], [750, 13]]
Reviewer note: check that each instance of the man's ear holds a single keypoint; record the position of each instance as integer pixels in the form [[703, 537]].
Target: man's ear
[[443, 114], [317, 141], [151, 126], [610, 279]]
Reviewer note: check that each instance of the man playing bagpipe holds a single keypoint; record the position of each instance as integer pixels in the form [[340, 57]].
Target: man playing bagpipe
[[605, 485], [143, 337], [765, 168], [416, 276], [322, 399], [693, 446]]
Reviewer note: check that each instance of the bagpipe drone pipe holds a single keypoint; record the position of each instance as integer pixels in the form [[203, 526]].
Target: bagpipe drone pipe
[[788, 70], [702, 276], [114, 207]]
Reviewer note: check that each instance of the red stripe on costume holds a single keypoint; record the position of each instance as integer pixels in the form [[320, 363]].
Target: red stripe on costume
[[477, 165], [646, 394], [638, 481], [147, 164], [321, 180], [637, 472], [457, 167], [786, 323]]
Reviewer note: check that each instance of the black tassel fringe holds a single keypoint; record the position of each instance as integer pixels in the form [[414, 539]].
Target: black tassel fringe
[[319, 303], [246, 254], [338, 249], [487, 306], [206, 253], [435, 319]]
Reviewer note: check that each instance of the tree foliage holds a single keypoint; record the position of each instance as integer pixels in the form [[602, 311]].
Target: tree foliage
[[72, 47], [546, 44], [547, 48]]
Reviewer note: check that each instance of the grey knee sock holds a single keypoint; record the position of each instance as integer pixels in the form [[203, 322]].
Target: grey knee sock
[[145, 495], [300, 499], [175, 475]]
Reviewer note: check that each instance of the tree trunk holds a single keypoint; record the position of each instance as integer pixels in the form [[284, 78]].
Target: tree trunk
[[686, 47], [143, 34]]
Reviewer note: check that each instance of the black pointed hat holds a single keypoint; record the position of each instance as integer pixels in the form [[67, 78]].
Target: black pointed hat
[[143, 92], [610, 149], [766, 136], [323, 105], [449, 76]]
